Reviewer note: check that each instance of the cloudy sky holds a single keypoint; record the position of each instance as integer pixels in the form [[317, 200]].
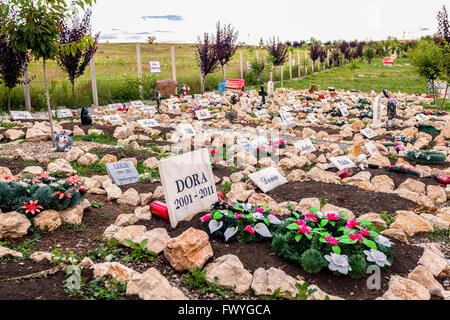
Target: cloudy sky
[[183, 21]]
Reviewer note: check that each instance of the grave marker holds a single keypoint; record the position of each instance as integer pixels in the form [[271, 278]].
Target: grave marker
[[114, 119], [203, 114], [342, 162], [122, 173], [148, 123], [268, 179], [21, 115], [149, 109], [369, 133], [306, 146], [137, 104], [343, 109], [312, 118], [287, 119], [64, 113], [187, 129], [422, 117], [261, 113], [371, 149], [155, 67], [188, 185]]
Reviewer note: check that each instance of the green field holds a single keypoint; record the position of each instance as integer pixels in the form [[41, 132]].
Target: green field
[[116, 71]]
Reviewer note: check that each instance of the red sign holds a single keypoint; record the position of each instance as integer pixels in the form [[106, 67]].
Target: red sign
[[388, 60], [235, 84]]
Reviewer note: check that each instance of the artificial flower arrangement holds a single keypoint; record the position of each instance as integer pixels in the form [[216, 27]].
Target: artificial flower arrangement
[[431, 112], [403, 138], [240, 222], [214, 156], [317, 241], [427, 128], [184, 89], [314, 240], [401, 169], [32, 194], [123, 108], [427, 157]]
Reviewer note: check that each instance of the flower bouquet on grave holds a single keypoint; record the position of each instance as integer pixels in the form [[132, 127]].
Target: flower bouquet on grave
[[426, 128], [184, 89], [316, 241], [430, 112], [402, 137], [214, 156], [401, 169], [426, 157], [241, 222], [31, 194], [280, 144], [363, 101]]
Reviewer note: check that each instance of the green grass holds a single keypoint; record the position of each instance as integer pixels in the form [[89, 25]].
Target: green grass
[[89, 170], [99, 138]]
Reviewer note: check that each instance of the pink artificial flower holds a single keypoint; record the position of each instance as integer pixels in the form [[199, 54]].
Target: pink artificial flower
[[238, 216], [311, 216], [304, 230], [259, 210], [331, 241], [272, 213], [332, 216], [301, 223], [216, 160], [355, 236], [365, 233], [249, 229], [351, 224], [206, 218]]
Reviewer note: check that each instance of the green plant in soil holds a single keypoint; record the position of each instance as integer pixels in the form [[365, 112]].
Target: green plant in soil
[[59, 257], [11, 125], [96, 204], [196, 278], [96, 168], [74, 227], [26, 248], [107, 248], [440, 235], [226, 187], [139, 252], [100, 289], [387, 217]]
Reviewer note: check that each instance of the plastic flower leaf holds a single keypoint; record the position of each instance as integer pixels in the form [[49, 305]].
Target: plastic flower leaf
[[218, 215], [382, 240], [336, 249], [313, 209], [298, 238], [370, 244], [376, 256], [338, 263], [32, 207], [323, 223], [293, 226]]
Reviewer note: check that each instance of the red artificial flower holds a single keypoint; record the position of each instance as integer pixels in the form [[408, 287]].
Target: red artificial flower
[[355, 236], [332, 216], [12, 178], [43, 174], [62, 195], [32, 207], [249, 229], [206, 218], [304, 230], [311, 216], [74, 180], [331, 241], [351, 224], [214, 152], [365, 233]]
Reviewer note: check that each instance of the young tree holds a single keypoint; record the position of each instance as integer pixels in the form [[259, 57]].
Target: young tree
[[34, 25], [369, 54], [314, 53], [151, 39], [443, 41], [278, 52], [13, 63], [226, 45], [74, 64], [426, 58], [206, 58]]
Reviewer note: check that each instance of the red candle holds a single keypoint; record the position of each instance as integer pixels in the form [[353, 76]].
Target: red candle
[[345, 173], [442, 178], [160, 209]]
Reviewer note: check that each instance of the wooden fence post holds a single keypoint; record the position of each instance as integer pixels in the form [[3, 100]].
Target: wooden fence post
[[139, 63], [94, 84], [242, 66], [290, 65], [26, 90]]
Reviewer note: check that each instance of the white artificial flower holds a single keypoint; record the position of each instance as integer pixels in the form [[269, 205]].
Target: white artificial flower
[[384, 241], [338, 263], [247, 207], [377, 256]]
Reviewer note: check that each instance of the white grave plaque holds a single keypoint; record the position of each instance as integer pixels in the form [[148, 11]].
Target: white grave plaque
[[187, 129], [174, 108], [342, 162], [259, 142], [268, 179], [369, 133], [204, 102], [287, 119], [305, 146], [137, 104], [114, 119], [155, 67], [148, 123], [122, 173], [245, 144], [188, 184], [286, 108], [377, 112], [21, 115], [173, 100], [312, 118], [64, 113], [343, 109], [371, 149], [149, 109], [203, 114], [422, 117], [261, 113], [270, 87]]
